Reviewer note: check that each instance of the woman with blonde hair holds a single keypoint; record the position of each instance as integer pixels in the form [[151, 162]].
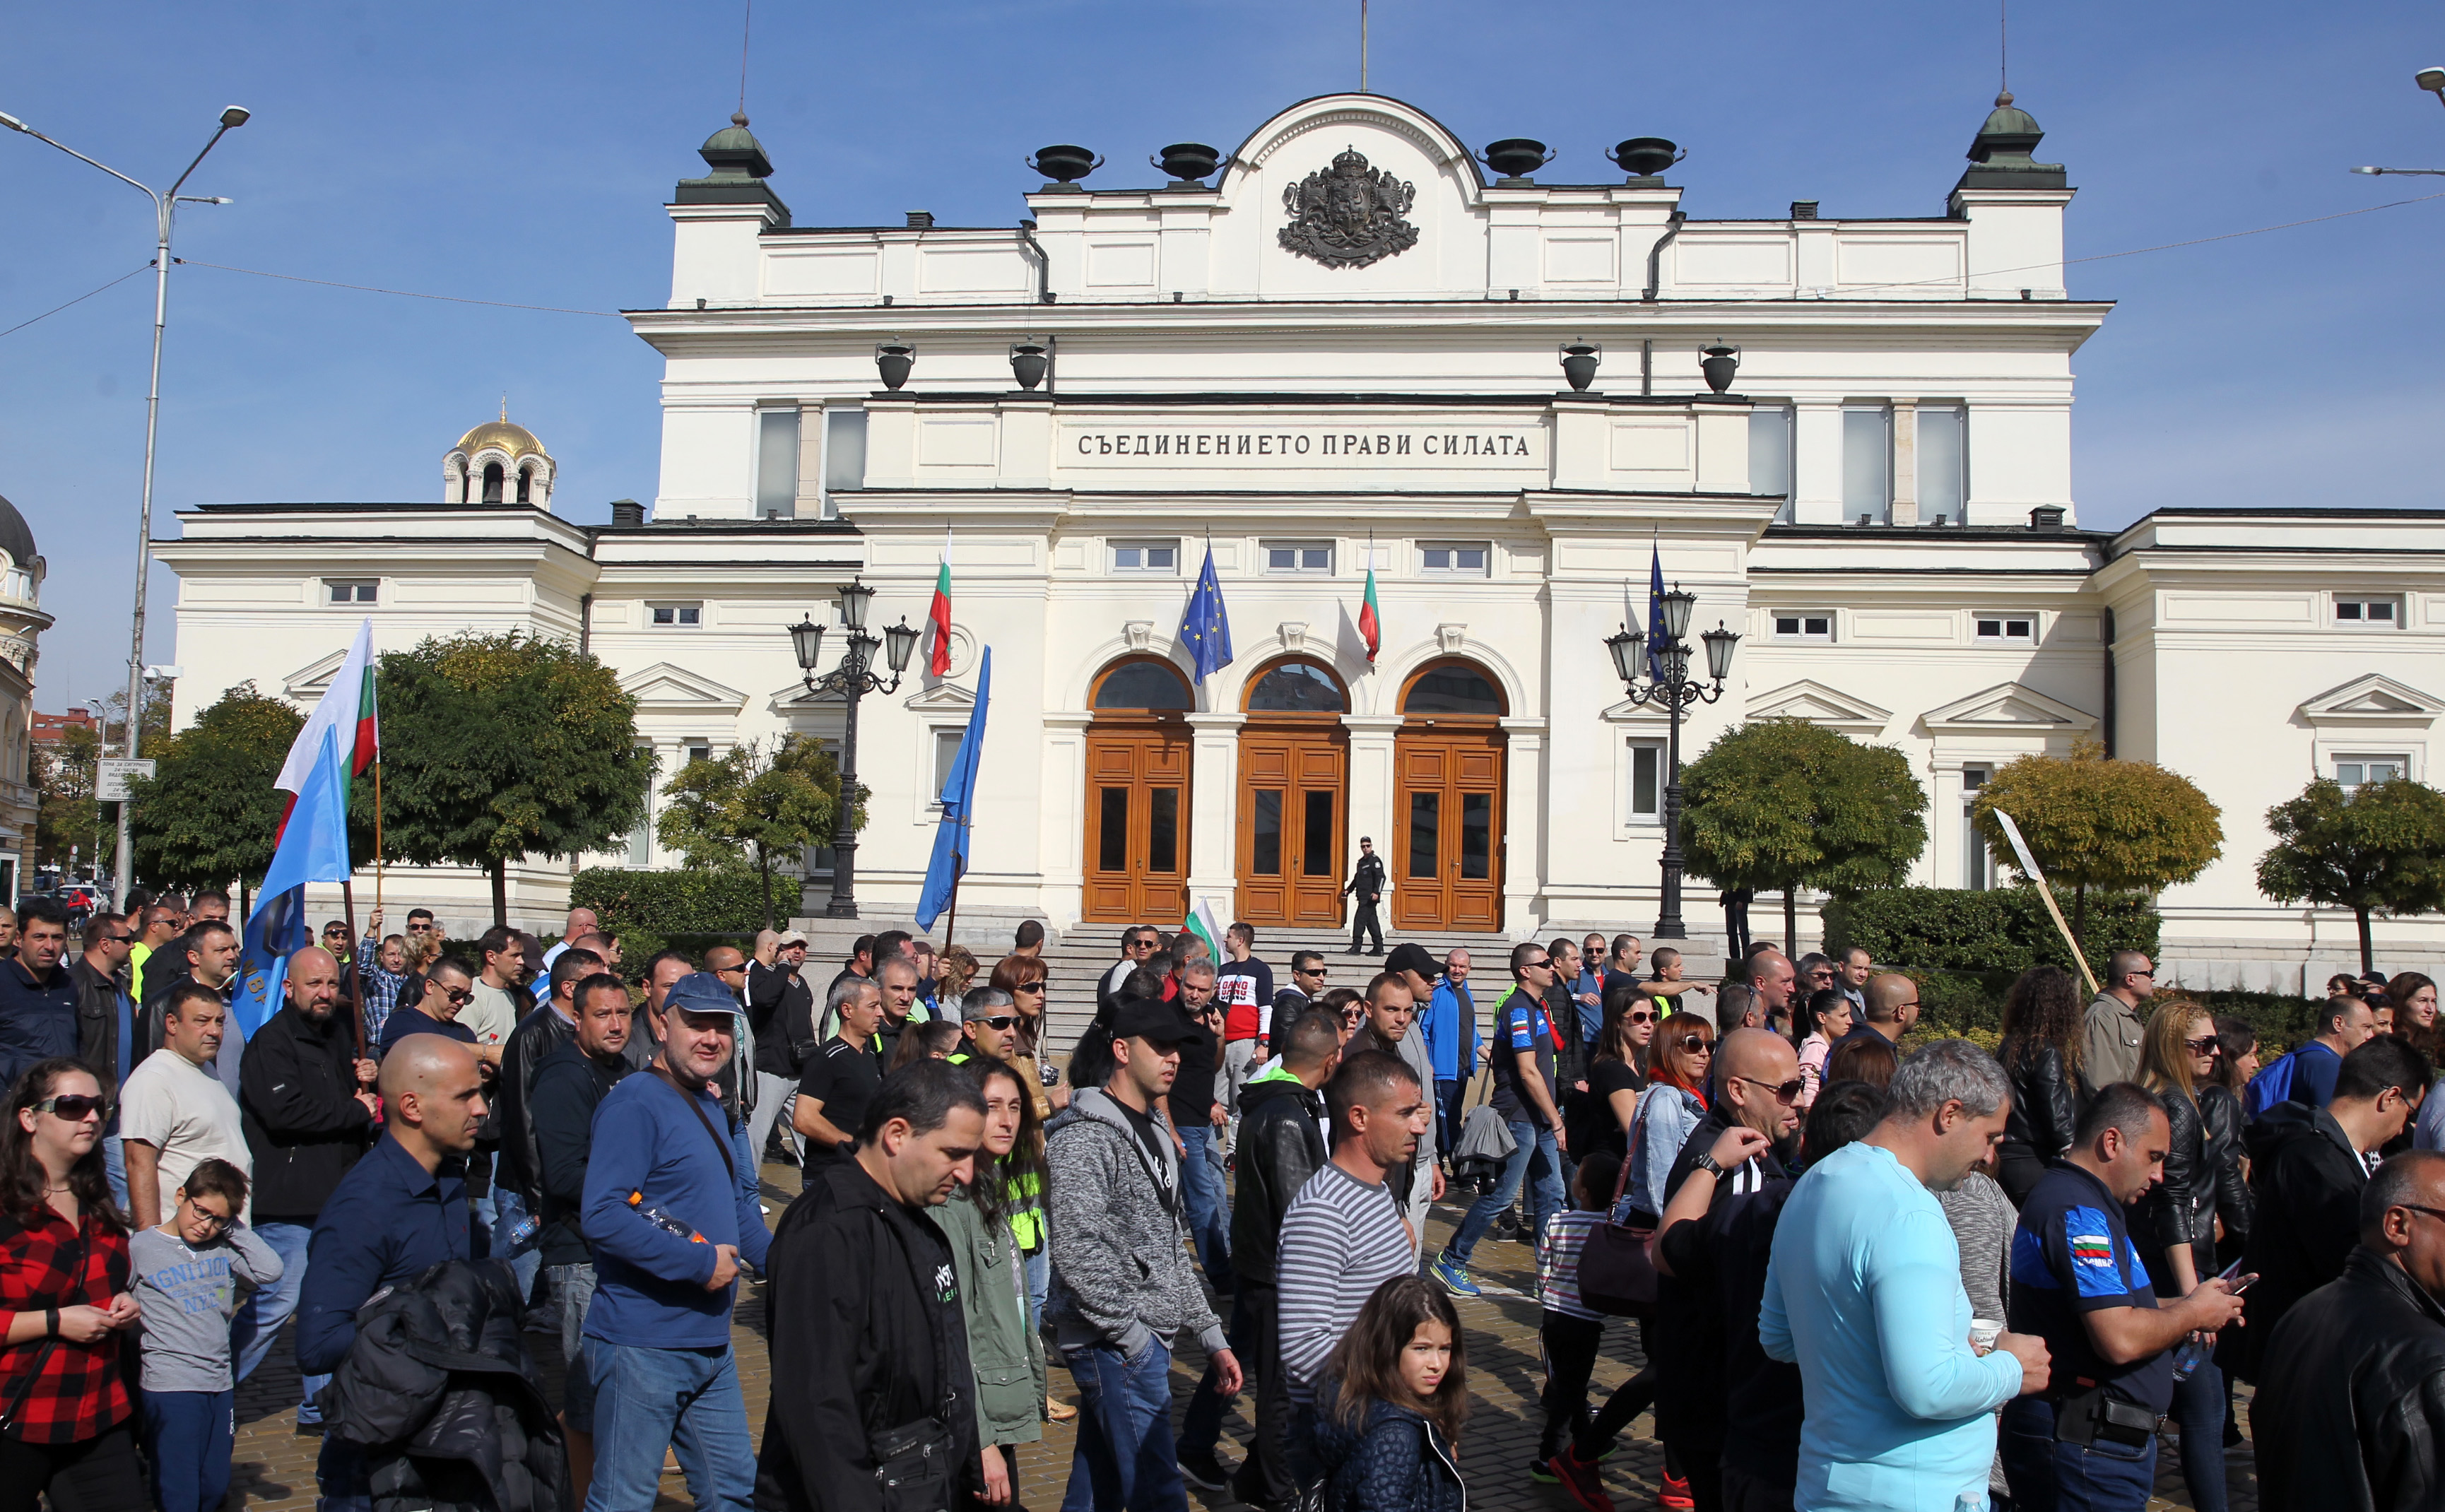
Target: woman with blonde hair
[[2176, 1222], [955, 969]]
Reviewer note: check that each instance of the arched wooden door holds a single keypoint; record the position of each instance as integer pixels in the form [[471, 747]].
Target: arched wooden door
[[1294, 796], [1447, 802], [1137, 795]]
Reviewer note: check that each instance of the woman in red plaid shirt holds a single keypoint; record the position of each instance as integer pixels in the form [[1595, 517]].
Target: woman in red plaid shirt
[[65, 1416]]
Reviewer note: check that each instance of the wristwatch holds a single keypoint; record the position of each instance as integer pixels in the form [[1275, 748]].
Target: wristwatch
[[1706, 1162]]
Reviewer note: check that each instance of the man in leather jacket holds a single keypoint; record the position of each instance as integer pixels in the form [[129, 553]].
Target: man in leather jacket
[[2351, 1412], [515, 1193]]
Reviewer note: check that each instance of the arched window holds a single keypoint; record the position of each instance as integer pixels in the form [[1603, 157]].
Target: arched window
[[525, 480], [1144, 686], [1452, 688], [493, 480], [1296, 687]]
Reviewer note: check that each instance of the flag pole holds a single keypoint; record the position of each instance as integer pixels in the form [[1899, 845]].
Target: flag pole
[[377, 836], [958, 870]]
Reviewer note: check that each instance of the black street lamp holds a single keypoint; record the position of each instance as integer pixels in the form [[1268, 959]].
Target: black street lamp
[[1667, 665], [852, 679]]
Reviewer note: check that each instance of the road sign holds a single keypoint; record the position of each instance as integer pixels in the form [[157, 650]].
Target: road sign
[[110, 784]]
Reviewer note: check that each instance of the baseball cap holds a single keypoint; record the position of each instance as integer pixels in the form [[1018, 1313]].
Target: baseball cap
[[791, 936], [1151, 1019], [1414, 958], [701, 992]]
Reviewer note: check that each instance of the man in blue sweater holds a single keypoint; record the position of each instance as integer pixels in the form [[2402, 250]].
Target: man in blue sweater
[[669, 1225]]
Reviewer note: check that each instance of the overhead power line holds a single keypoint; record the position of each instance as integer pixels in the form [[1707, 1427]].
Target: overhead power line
[[79, 300], [403, 293]]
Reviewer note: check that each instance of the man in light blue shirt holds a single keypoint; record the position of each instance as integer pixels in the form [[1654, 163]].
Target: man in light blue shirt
[[1864, 1295]]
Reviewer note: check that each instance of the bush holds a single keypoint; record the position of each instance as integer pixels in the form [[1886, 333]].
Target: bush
[[650, 911], [2001, 932]]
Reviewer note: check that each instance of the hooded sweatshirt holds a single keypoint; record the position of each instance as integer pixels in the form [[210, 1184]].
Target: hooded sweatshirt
[[1121, 1273]]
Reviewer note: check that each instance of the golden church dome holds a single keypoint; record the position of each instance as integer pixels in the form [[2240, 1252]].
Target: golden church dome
[[515, 440]]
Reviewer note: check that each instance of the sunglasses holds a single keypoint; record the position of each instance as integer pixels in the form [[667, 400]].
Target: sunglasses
[[1537, 965], [1317, 972], [113, 939], [74, 1106], [420, 928], [1640, 1017], [2203, 1046], [1696, 1044], [997, 1021], [1786, 1093], [461, 996], [1029, 986]]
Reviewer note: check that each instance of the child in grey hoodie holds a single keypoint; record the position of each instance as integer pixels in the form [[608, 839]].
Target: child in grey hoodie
[[188, 1273]]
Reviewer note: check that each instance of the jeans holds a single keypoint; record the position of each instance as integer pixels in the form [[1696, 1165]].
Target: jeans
[[1201, 1426], [526, 1259], [751, 1176], [2199, 1407], [257, 1325], [1534, 1154], [1450, 1096], [1124, 1461], [646, 1400], [572, 1287], [1209, 1209], [114, 1165], [2050, 1477], [1240, 1062], [187, 1438], [1039, 1283]]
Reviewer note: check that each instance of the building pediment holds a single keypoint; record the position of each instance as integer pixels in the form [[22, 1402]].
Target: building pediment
[[1817, 703], [2007, 707], [2372, 699], [308, 683], [666, 688], [940, 698]]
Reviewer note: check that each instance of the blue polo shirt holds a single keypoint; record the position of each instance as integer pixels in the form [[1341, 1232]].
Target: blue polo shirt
[[2072, 1255], [387, 1220], [1520, 1023]]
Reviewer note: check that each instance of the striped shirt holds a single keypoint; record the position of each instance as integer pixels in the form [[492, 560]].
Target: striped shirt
[[1557, 1263], [1340, 1240]]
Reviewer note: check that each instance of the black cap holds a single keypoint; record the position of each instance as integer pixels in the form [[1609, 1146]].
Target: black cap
[[1151, 1019], [1412, 958]]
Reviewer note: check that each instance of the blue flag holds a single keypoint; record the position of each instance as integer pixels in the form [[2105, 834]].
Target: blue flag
[[1204, 628], [314, 847], [950, 856], [1656, 636]]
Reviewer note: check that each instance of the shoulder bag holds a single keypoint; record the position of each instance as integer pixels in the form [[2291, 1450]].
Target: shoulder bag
[[1616, 1276]]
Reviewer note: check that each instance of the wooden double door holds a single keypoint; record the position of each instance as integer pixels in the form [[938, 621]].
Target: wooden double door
[[1294, 817], [1447, 828], [1137, 822]]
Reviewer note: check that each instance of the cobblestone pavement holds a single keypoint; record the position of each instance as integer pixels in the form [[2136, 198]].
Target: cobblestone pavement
[[276, 1465]]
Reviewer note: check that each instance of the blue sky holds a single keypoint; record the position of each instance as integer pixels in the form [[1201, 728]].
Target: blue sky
[[523, 152]]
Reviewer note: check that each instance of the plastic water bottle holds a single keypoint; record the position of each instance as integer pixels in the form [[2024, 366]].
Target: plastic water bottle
[[2186, 1359], [662, 1219], [524, 1234]]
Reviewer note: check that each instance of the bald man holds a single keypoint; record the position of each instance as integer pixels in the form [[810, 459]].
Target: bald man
[[1772, 979], [582, 922], [397, 1211], [307, 1105], [1893, 1007]]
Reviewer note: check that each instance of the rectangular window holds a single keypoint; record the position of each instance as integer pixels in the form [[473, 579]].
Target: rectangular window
[[946, 754], [1770, 454], [1163, 831], [1803, 625], [2369, 614], [1146, 556], [677, 615], [1456, 560], [1298, 556], [1867, 464], [1977, 867], [2359, 771], [2011, 629], [1266, 841], [1112, 837], [1646, 780], [1315, 836], [1476, 836], [696, 751], [1943, 465], [777, 463], [844, 449], [350, 590], [1426, 833]]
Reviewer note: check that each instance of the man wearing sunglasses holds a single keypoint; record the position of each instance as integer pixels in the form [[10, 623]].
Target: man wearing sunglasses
[[1525, 1093], [2112, 1028]]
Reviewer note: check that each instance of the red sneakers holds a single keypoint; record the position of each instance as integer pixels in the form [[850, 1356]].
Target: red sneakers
[[1580, 1479], [1675, 1493]]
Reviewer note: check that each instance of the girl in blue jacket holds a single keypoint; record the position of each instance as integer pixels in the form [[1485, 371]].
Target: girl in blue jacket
[[1390, 1402]]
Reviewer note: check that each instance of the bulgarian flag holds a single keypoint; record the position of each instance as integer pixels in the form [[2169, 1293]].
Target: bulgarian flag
[[937, 660], [347, 712], [1370, 620], [1202, 922]]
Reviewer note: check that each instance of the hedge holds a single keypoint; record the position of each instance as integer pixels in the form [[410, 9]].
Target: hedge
[[650, 911], [2001, 931]]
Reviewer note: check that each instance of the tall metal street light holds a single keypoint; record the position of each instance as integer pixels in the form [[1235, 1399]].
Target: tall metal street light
[[1669, 685], [165, 205], [851, 680]]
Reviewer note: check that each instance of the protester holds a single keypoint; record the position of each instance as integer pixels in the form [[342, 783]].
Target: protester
[[187, 1273], [1864, 1293], [517, 1174], [2110, 1029], [1870, 1058], [734, 1082], [381, 970], [582, 922], [2175, 1221], [1137, 943], [207, 952], [2221, 1114], [1525, 1094], [107, 1031], [1194, 1107], [1570, 1333], [778, 998], [435, 1001], [1122, 1285], [2040, 1053], [1736, 1008], [930, 1040], [842, 1078], [1669, 1110], [1005, 1353], [570, 1083], [2307, 1168], [658, 1328], [1600, 1118], [2307, 1075], [38, 998], [307, 1105], [1855, 966], [955, 972], [2349, 1414], [1448, 1026], [1773, 982], [1824, 1018], [499, 998], [1027, 940], [1983, 1219], [867, 1319], [64, 1287], [1245, 985], [211, 903], [1571, 1039], [1893, 1008], [161, 925], [860, 963], [1388, 1027], [174, 1112], [1023, 977], [1390, 1404], [2078, 1284], [400, 1209], [1366, 886], [896, 977]]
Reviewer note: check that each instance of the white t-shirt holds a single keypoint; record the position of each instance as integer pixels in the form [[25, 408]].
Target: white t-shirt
[[181, 1109], [492, 1013]]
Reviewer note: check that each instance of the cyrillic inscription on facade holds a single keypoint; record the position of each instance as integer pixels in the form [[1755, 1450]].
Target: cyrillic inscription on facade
[[1304, 447]]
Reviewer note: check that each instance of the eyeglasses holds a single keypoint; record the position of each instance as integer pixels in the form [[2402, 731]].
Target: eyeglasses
[[74, 1106], [2206, 1045], [1696, 1045], [1640, 1017], [214, 1223], [421, 928], [997, 1021], [461, 996], [1028, 986], [725, 971], [2416, 1207], [1787, 1091]]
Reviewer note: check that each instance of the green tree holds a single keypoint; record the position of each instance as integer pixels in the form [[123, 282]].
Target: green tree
[[1778, 805], [764, 805], [497, 747], [210, 816], [2377, 848], [66, 814], [2090, 822]]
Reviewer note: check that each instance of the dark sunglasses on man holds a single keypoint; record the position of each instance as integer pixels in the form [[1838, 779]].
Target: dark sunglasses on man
[[1785, 1092], [998, 1022]]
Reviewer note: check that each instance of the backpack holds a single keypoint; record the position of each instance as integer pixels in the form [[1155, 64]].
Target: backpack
[[2272, 1084]]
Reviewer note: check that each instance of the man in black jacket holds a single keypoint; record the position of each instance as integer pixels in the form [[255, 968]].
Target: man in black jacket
[[107, 1025], [781, 1018], [1366, 890], [537, 1035], [2307, 1168], [306, 1104], [568, 1084], [1282, 1145], [2352, 1413], [867, 1320]]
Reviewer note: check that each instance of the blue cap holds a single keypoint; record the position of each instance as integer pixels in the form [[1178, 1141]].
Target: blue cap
[[701, 992]]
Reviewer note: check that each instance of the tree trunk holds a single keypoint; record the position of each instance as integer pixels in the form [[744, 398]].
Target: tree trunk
[[501, 893], [2368, 961], [1791, 919], [764, 876], [244, 913]]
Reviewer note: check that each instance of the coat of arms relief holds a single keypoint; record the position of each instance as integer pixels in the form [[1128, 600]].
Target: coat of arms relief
[[1349, 216]]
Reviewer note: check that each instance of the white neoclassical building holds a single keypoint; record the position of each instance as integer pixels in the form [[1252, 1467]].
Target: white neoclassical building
[[1341, 345]]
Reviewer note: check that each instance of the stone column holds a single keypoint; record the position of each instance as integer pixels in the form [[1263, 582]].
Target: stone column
[[1213, 809], [1523, 825], [1905, 502], [1371, 785]]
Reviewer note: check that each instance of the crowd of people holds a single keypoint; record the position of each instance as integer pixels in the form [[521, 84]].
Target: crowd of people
[[1869, 1269]]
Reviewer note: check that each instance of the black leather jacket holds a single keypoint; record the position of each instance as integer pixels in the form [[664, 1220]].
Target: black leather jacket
[[537, 1035], [2351, 1408], [2046, 1099], [1280, 1147], [98, 1021], [2305, 1180], [2180, 1209], [2221, 1120]]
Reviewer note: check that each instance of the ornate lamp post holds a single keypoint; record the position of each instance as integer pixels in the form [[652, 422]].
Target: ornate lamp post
[[852, 679], [1669, 685]]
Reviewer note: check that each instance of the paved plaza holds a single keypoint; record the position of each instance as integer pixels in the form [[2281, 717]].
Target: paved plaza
[[276, 1465]]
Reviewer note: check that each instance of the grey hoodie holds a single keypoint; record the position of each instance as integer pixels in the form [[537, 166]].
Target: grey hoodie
[[1120, 1271]]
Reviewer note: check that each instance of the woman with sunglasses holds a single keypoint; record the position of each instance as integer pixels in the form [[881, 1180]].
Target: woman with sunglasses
[[2223, 1121], [1825, 1016], [64, 1288], [1029, 985], [1673, 1103], [2174, 1223], [1600, 1117]]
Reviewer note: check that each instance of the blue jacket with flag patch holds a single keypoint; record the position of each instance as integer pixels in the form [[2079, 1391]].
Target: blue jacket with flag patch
[[2072, 1254]]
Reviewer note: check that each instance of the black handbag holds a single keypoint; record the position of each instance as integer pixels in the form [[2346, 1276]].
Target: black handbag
[[1616, 1276], [914, 1468]]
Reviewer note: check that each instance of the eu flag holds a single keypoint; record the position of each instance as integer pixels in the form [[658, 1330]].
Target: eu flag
[[1204, 628], [1656, 636], [950, 858]]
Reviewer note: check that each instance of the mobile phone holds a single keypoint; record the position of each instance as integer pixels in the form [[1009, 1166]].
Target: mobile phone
[[2240, 1282]]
